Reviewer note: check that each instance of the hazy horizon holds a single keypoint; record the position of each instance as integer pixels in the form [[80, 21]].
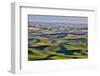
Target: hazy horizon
[[57, 19]]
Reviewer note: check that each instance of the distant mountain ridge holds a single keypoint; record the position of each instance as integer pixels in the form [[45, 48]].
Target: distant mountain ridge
[[31, 23]]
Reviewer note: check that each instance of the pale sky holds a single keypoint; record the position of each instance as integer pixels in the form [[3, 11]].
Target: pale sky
[[57, 19]]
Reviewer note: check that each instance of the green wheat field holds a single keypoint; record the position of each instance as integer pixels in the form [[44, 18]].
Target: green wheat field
[[54, 41]]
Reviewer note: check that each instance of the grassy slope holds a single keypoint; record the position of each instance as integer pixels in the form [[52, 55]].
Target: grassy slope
[[41, 54]]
